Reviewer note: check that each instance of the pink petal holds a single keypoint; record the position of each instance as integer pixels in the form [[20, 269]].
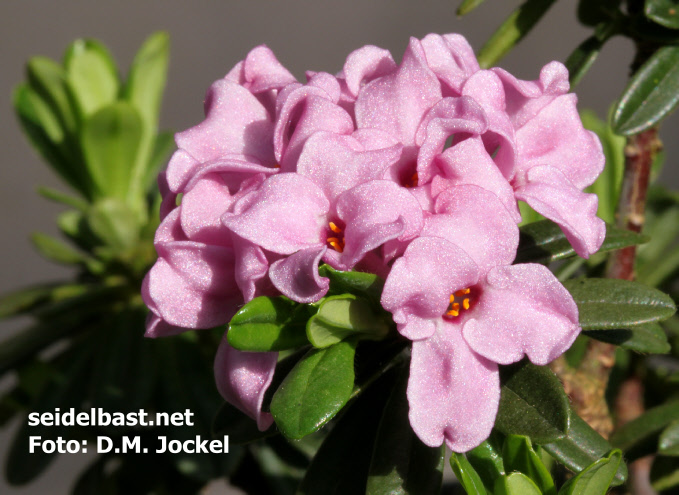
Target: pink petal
[[396, 103], [453, 392], [180, 169], [475, 220], [522, 310], [551, 194], [374, 213], [296, 276], [337, 162], [260, 71], [468, 162], [287, 213], [365, 64], [236, 123], [170, 229], [202, 208], [251, 267], [233, 170], [157, 327], [451, 58], [418, 288], [242, 379], [556, 137]]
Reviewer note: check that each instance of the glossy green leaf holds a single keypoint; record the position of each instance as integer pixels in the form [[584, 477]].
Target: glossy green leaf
[[664, 12], [648, 338], [55, 250], [596, 479], [513, 29], [582, 447], [515, 484], [486, 459], [114, 223], [342, 462], [668, 444], [91, 75], [467, 6], [664, 474], [640, 436], [315, 390], [66, 389], [594, 12], [466, 475], [110, 140], [357, 283], [401, 464], [518, 455], [544, 241], [532, 403], [344, 316], [283, 368], [611, 304], [652, 93], [269, 324]]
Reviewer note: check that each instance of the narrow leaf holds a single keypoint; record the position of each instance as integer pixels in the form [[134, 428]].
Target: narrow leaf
[[518, 455], [583, 57], [532, 403], [63, 198], [466, 475], [269, 324], [648, 338], [315, 390], [513, 29], [612, 304], [467, 6], [652, 93], [26, 299], [640, 435], [162, 147], [55, 250], [401, 463], [664, 474], [582, 447], [486, 459], [48, 79], [515, 484], [664, 12], [668, 444], [596, 479], [544, 242]]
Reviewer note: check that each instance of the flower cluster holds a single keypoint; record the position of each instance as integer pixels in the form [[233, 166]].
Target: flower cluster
[[411, 171]]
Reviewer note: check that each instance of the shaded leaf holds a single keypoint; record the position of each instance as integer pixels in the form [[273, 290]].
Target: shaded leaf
[[664, 12], [582, 447], [24, 300], [652, 93], [466, 475], [647, 338], [668, 444], [640, 435], [582, 58], [596, 478], [114, 223], [518, 455], [486, 459], [48, 79], [162, 147], [55, 250], [532, 403], [467, 6], [613, 304], [593, 12], [315, 390], [513, 29], [357, 283], [664, 473], [63, 198]]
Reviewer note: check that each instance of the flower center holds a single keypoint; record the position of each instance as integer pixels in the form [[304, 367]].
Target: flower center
[[463, 303], [336, 241]]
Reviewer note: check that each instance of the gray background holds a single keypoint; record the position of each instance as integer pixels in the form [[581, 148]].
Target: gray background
[[208, 38]]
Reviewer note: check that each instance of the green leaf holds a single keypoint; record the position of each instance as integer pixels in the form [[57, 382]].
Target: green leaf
[[357, 283], [583, 57], [467, 6], [55, 250], [342, 462], [652, 93], [486, 459], [114, 224], [65, 390], [518, 455], [162, 147], [513, 29], [466, 475], [613, 304], [269, 324], [544, 242], [532, 403], [640, 436], [515, 484], [647, 338], [91, 75], [48, 79], [664, 12], [345, 316], [62, 198], [664, 474], [24, 300], [582, 447], [668, 444], [596, 479], [315, 390], [401, 463], [594, 12], [110, 140]]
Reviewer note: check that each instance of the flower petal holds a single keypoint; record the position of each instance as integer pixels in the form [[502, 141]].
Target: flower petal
[[202, 208], [453, 392], [296, 276], [260, 71], [242, 379], [451, 58], [366, 63], [522, 310]]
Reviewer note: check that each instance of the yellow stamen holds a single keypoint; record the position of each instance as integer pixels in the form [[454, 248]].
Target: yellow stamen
[[463, 292], [452, 298], [455, 308], [465, 303], [334, 228]]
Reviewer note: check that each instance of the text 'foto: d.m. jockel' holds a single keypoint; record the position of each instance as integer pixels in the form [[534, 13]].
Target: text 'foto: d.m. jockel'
[[410, 171]]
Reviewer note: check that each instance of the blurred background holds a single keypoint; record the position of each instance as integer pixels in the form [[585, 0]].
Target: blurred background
[[207, 38]]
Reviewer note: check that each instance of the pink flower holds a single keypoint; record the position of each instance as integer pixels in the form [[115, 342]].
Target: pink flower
[[455, 294]]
